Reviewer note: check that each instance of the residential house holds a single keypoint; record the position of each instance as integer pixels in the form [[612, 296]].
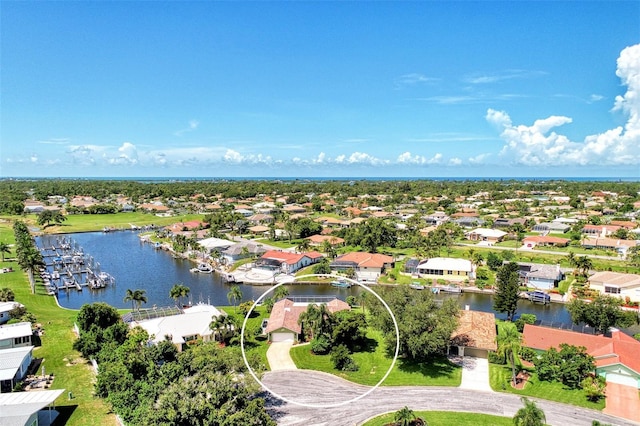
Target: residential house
[[242, 250], [551, 227], [616, 284], [600, 230], [186, 226], [190, 325], [258, 229], [620, 246], [540, 276], [627, 224], [485, 234], [502, 222], [15, 335], [27, 408], [318, 240], [446, 268], [287, 262], [475, 335], [542, 241], [616, 357], [436, 219], [5, 309], [260, 218], [283, 325], [14, 364], [469, 222], [367, 266]]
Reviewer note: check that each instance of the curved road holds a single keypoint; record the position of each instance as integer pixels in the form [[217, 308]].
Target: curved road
[[316, 388]]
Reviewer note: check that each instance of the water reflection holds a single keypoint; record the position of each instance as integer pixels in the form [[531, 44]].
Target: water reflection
[[136, 265]]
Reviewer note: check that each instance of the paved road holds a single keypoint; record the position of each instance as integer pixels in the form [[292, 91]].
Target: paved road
[[318, 388]]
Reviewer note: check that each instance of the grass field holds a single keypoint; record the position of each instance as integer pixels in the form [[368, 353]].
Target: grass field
[[72, 373], [500, 376], [375, 363], [447, 418]]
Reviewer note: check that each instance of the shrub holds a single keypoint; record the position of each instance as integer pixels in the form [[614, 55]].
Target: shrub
[[244, 307], [527, 354], [495, 358], [342, 360], [594, 387], [525, 319], [320, 345]]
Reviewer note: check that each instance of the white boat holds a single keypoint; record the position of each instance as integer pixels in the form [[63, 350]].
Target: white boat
[[203, 268], [416, 286]]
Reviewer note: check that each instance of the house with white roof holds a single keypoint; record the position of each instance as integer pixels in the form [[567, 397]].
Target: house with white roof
[[27, 408], [485, 234], [5, 309], [14, 364], [15, 335], [190, 325], [616, 284], [446, 268]]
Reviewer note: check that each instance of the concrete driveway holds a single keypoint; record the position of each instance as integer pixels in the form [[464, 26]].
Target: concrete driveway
[[622, 401], [278, 356], [311, 387], [475, 374]]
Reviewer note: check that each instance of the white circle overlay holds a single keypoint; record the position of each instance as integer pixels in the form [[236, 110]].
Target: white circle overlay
[[302, 404]]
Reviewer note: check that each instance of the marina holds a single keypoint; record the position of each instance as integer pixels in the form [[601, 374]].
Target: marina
[[68, 267]]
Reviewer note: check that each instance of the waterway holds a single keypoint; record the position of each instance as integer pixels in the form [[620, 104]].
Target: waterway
[[138, 265]]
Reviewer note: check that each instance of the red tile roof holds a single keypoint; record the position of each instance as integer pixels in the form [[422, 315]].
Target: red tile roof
[[366, 260], [288, 257], [617, 349], [285, 314], [547, 240]]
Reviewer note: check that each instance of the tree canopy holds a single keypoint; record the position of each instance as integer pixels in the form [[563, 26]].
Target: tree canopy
[[505, 299], [602, 313]]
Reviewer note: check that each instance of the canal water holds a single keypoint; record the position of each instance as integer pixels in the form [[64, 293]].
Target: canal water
[[138, 265]]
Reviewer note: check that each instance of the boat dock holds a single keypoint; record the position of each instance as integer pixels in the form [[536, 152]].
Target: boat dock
[[66, 267]]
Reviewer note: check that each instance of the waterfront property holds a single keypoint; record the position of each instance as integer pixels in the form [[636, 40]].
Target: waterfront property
[[446, 268], [5, 310], [616, 356], [287, 262], [283, 323], [181, 327], [367, 266], [540, 276], [616, 284], [475, 335]]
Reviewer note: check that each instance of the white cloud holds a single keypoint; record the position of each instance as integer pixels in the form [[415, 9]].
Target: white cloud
[[538, 145], [595, 98], [501, 76], [127, 155], [54, 141], [413, 79], [193, 125], [408, 158], [479, 159], [455, 161]]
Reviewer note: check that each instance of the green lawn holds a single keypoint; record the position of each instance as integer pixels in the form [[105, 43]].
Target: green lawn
[[253, 344], [375, 363], [96, 222], [500, 377], [447, 418], [72, 372]]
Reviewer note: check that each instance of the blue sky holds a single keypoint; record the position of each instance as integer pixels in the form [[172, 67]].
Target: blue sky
[[328, 89]]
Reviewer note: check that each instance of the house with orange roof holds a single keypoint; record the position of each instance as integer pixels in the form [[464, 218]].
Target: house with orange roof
[[286, 261], [546, 240], [616, 357], [367, 266], [283, 325], [625, 224], [621, 246], [475, 335], [318, 240], [186, 226], [600, 230]]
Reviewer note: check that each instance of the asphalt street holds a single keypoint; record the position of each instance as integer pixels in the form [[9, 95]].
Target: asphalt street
[[316, 388]]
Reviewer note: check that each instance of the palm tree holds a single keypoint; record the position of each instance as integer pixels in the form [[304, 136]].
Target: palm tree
[[584, 264], [280, 293], [404, 416], [529, 415], [178, 291], [4, 248], [136, 297], [219, 324], [363, 296], [234, 295], [509, 340], [303, 246], [29, 259]]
